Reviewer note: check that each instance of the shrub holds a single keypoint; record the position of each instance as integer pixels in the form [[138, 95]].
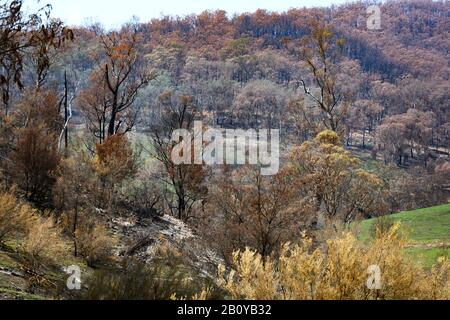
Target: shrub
[[160, 279], [42, 245], [144, 194], [40, 251], [114, 163], [339, 271], [34, 160], [40, 236], [14, 217], [381, 225], [135, 281], [93, 242], [8, 208], [115, 159]]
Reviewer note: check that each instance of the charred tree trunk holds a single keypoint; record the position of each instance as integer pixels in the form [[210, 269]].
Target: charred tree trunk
[[66, 111]]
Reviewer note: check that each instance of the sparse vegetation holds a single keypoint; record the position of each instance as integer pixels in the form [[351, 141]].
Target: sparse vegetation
[[93, 242], [163, 278]]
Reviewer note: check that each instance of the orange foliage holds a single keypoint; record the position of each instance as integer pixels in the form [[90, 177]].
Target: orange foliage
[[115, 158]]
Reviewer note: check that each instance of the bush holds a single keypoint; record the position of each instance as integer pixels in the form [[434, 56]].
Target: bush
[[143, 195], [39, 240], [42, 245], [40, 251], [115, 159], [381, 226], [93, 242], [339, 271], [34, 160], [161, 279], [14, 217], [8, 208], [40, 237]]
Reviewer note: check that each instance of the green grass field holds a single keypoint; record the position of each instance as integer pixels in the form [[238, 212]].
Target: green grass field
[[427, 229]]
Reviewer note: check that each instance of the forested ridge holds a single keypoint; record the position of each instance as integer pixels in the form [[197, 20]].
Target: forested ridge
[[87, 176], [400, 67]]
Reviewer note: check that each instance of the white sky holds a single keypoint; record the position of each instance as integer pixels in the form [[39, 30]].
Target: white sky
[[113, 13]]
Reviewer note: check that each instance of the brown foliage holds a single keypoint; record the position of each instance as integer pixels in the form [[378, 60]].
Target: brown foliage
[[93, 241], [34, 161], [115, 159], [249, 209], [20, 32], [109, 103], [115, 162], [35, 154]]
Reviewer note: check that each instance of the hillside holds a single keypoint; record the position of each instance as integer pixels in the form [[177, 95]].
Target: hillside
[[219, 156], [138, 239], [428, 230]]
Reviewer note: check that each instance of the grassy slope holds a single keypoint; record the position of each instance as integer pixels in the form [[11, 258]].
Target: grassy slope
[[428, 230], [15, 288]]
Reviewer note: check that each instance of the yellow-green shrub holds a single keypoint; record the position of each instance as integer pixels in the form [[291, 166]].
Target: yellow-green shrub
[[14, 217], [338, 271], [42, 244]]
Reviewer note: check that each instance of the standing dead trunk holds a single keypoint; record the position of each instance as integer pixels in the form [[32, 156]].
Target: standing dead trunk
[[66, 112], [74, 229]]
